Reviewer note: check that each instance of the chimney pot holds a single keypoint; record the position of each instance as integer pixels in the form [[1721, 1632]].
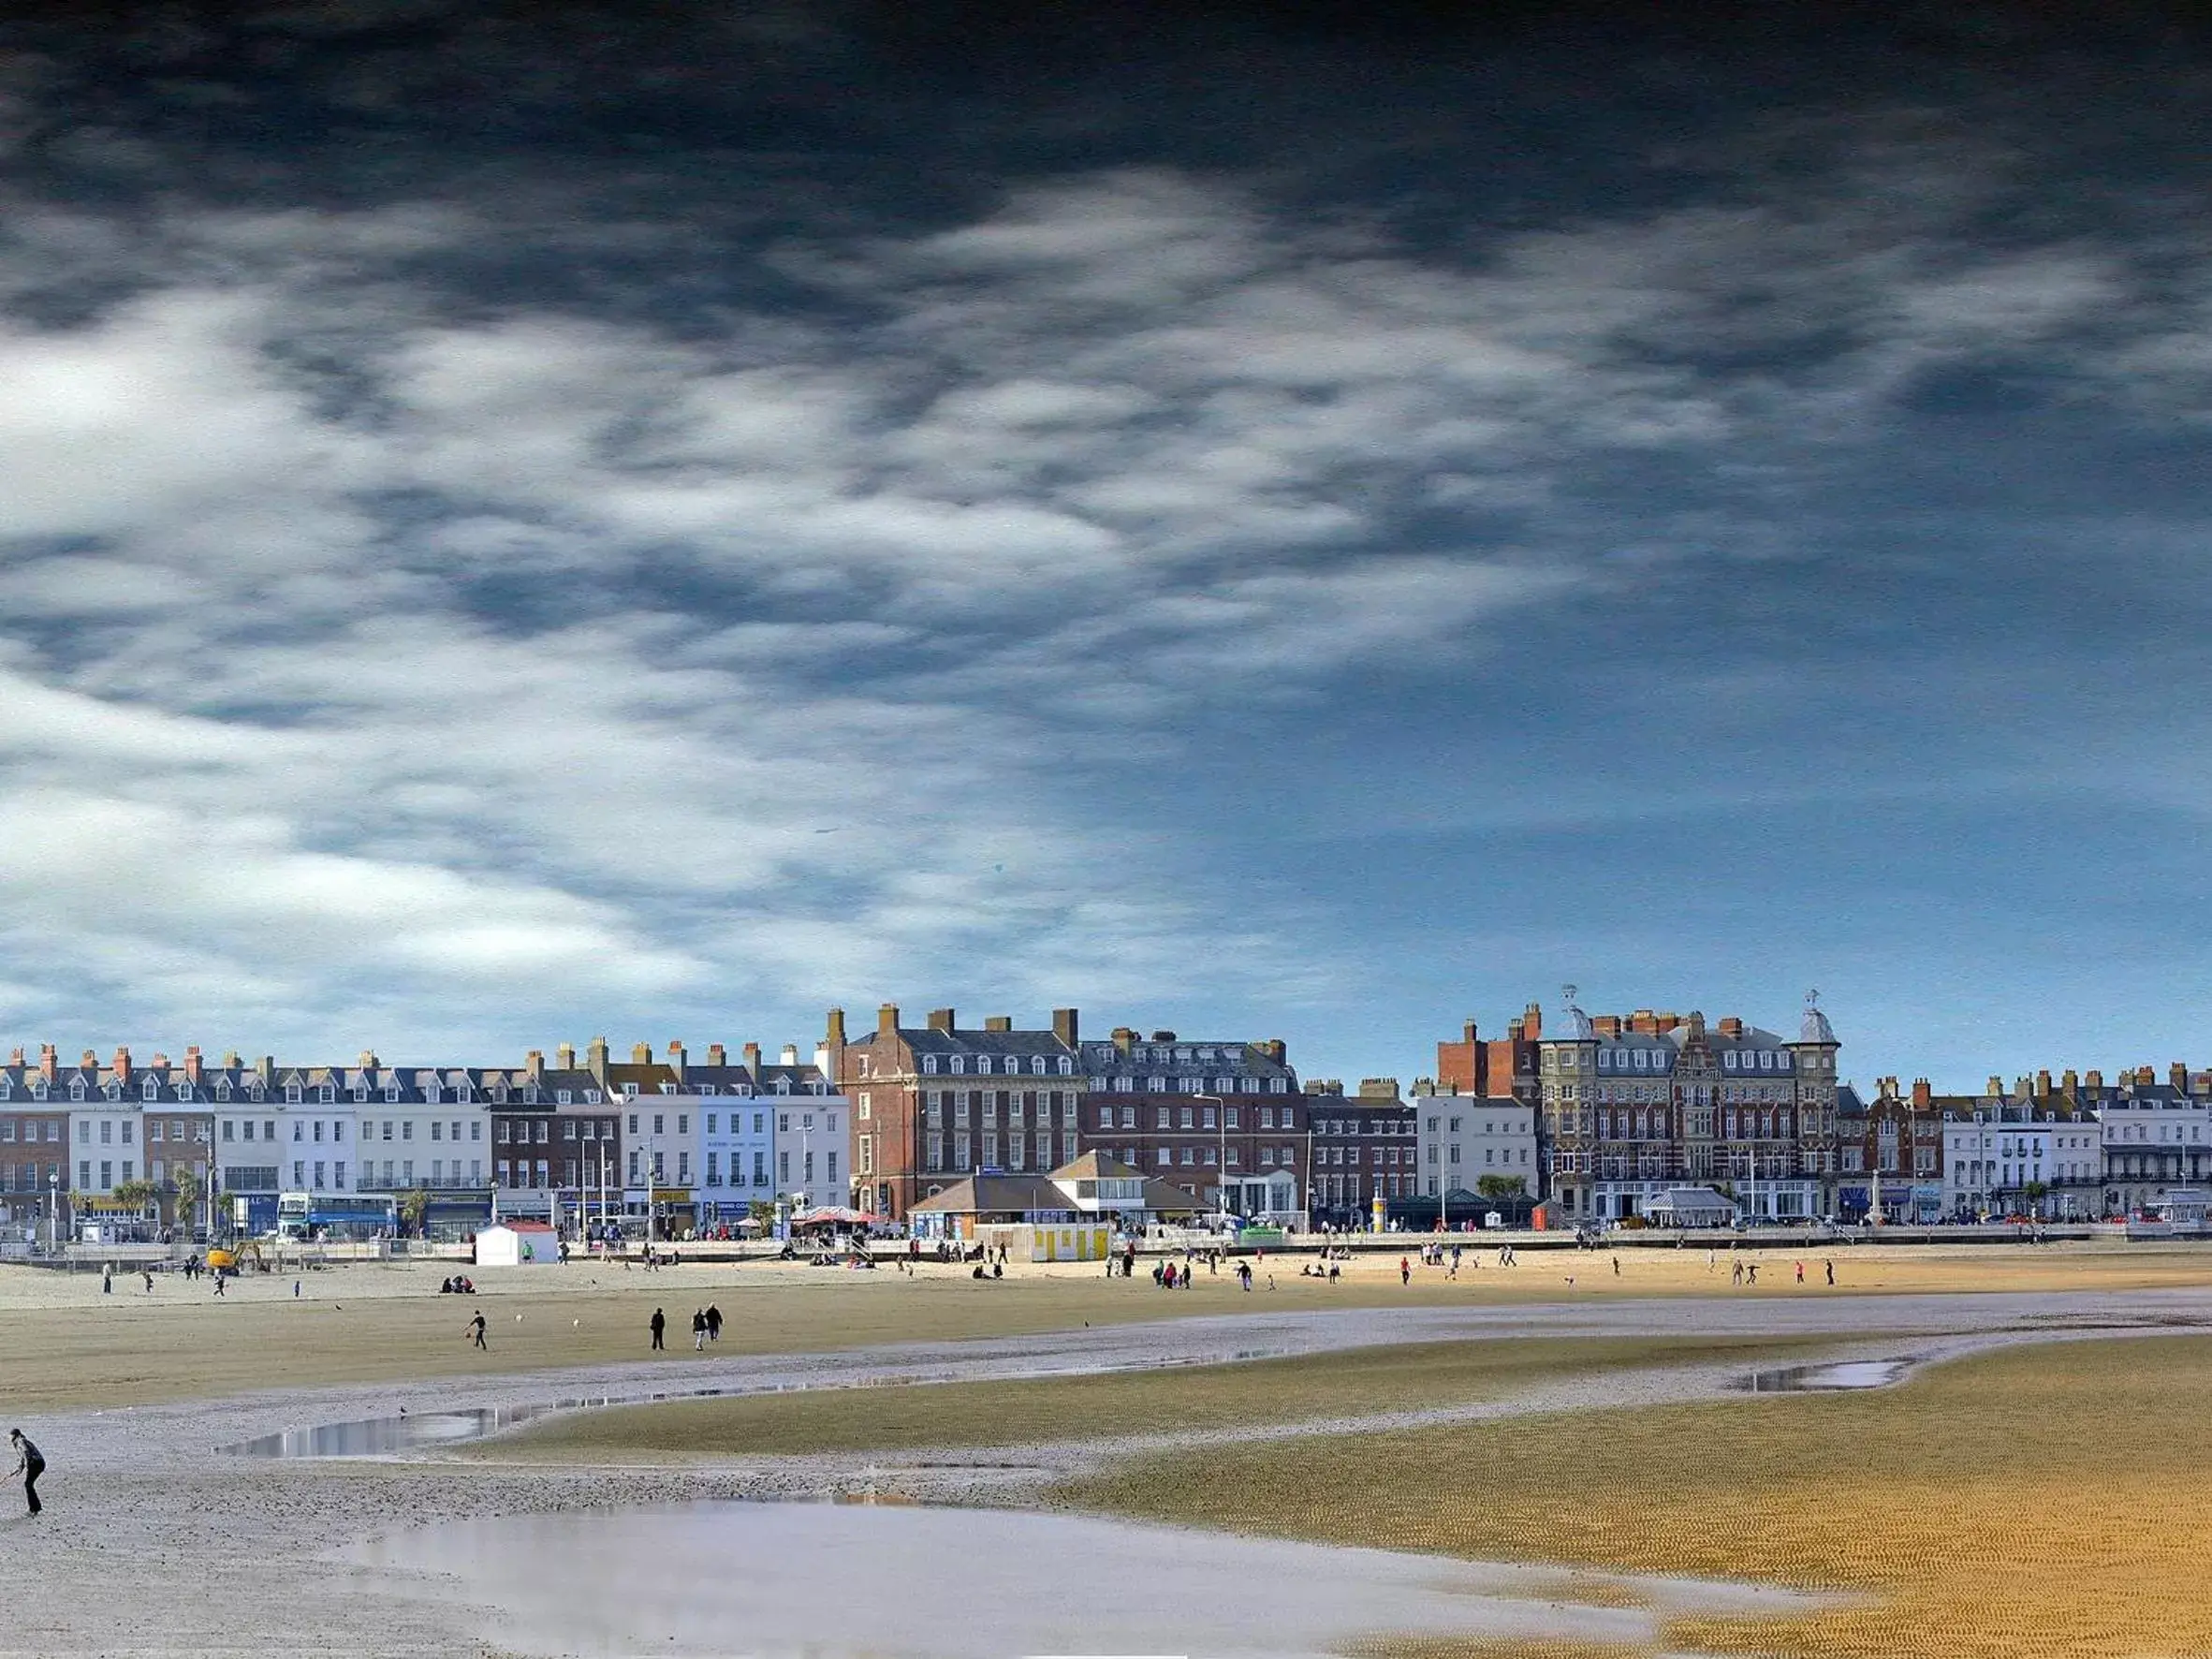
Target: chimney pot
[[753, 1056], [1923, 1095], [835, 1035], [2177, 1075], [640, 1053], [717, 1054], [790, 1054]]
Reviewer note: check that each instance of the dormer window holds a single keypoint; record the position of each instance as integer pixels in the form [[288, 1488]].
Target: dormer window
[[257, 1094], [592, 1097], [113, 1091], [629, 1090], [957, 1064], [223, 1089], [929, 1064], [560, 1096], [39, 1090], [150, 1090], [1067, 1066], [391, 1093]]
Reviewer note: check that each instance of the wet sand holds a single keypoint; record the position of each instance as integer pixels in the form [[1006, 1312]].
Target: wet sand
[[155, 1543]]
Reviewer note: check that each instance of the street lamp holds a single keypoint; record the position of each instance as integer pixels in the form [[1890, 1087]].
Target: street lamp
[[1221, 1173], [54, 1214]]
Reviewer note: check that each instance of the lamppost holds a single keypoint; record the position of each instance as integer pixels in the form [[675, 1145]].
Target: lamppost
[[54, 1214], [1221, 1172]]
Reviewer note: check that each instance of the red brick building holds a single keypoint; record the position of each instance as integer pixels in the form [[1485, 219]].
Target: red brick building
[[935, 1104], [1195, 1113]]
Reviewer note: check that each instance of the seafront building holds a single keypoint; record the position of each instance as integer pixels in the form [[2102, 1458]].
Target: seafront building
[[1635, 1106], [1222, 1120], [1599, 1117], [1365, 1149]]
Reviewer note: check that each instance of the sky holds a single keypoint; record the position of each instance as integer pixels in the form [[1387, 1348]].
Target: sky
[[521, 523]]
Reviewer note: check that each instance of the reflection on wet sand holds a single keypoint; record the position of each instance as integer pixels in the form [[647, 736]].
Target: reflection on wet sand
[[842, 1582]]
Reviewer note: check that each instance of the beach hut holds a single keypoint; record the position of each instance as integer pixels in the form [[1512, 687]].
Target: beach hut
[[517, 1244]]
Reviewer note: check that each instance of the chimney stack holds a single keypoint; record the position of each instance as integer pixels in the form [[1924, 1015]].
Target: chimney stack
[[676, 1059], [564, 1057], [368, 1060], [192, 1066], [1996, 1088], [2093, 1080], [717, 1054], [2069, 1082], [1275, 1049], [997, 1022], [1124, 1040], [48, 1061], [534, 1065], [887, 1020], [942, 1019], [1731, 1026], [2042, 1083], [1066, 1026], [1532, 1023], [2177, 1075], [121, 1065], [1162, 1036], [753, 1056], [835, 1035], [640, 1053], [1924, 1096], [595, 1057], [790, 1054]]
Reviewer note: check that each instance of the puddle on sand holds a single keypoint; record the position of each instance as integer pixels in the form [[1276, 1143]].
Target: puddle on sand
[[843, 1582], [380, 1437], [1820, 1379]]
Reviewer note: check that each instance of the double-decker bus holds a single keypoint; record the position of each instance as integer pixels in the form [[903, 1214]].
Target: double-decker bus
[[337, 1216]]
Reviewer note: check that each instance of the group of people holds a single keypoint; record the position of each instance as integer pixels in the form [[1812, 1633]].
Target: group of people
[[460, 1285], [705, 1327]]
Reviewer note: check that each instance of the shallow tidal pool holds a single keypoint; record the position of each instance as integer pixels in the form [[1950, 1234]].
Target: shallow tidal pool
[[893, 1581]]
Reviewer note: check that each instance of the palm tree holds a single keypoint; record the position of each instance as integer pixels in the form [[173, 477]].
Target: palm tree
[[138, 1194], [187, 1186], [414, 1206]]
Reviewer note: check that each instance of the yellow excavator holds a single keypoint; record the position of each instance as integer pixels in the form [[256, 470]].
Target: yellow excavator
[[231, 1258]]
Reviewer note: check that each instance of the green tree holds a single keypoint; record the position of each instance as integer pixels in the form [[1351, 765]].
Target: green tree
[[414, 1206], [762, 1213], [1501, 1186], [138, 1194], [189, 1193]]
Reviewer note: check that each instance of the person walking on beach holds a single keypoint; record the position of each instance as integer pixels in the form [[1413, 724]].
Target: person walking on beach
[[660, 1323], [475, 1328], [1751, 1273], [1831, 1267], [107, 1281], [1735, 1273], [1800, 1273], [28, 1464], [1405, 1271], [698, 1330], [713, 1323]]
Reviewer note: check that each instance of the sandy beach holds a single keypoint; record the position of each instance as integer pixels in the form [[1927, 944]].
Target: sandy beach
[[155, 1542]]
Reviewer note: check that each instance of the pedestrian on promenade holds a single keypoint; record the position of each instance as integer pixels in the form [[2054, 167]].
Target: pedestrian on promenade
[[660, 1323], [28, 1464], [476, 1328]]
